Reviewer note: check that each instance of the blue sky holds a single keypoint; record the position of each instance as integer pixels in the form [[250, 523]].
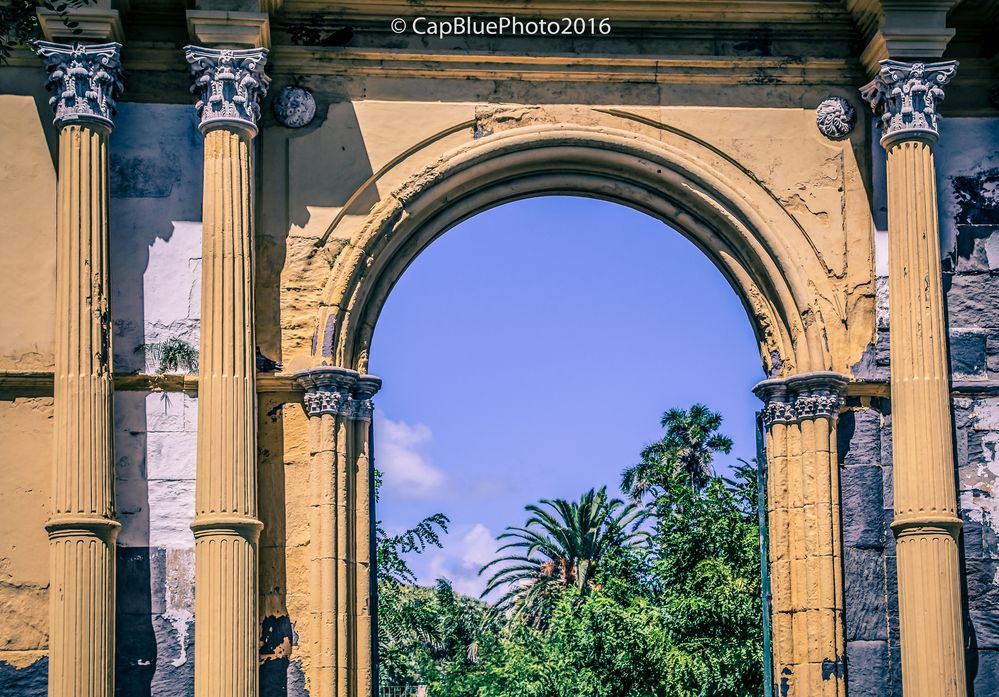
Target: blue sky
[[530, 351]]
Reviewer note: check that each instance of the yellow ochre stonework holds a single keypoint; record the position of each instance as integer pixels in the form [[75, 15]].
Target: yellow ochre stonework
[[858, 230]]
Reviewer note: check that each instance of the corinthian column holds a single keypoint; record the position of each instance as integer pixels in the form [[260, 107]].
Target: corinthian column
[[82, 529], [338, 402], [926, 523], [228, 84], [804, 523]]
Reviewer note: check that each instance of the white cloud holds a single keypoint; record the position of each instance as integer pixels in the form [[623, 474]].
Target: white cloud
[[478, 547], [461, 565], [400, 452]]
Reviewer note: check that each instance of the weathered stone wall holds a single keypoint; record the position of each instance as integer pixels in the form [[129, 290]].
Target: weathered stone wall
[[156, 175], [968, 182], [27, 339], [872, 649]]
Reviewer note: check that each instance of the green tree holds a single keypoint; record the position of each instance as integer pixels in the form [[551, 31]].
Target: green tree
[[560, 547], [688, 446], [707, 583]]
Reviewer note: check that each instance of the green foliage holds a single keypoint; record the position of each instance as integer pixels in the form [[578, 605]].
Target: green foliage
[[173, 355], [561, 545], [19, 21], [390, 550], [657, 600], [689, 445]]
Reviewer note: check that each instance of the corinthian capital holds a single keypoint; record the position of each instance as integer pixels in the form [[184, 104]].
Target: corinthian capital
[[905, 97], [229, 84], [85, 81]]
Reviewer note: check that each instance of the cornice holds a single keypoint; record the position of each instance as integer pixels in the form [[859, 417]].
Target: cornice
[[733, 11], [40, 383], [296, 60]]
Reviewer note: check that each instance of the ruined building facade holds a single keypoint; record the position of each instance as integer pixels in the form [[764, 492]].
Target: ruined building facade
[[190, 284]]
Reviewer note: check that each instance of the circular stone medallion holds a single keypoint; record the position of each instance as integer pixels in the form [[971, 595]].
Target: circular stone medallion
[[835, 117], [294, 107]]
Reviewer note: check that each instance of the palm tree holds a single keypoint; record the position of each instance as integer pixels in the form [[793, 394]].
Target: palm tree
[[561, 545], [688, 447]]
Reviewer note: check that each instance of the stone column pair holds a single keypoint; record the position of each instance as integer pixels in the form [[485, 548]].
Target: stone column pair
[[338, 402], [803, 520], [82, 529]]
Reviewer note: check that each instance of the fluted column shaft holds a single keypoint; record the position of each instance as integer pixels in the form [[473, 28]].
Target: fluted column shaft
[[804, 525], [338, 402], [226, 528], [926, 523], [82, 529]]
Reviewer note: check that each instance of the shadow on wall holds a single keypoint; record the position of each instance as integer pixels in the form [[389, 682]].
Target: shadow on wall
[[327, 166], [156, 190]]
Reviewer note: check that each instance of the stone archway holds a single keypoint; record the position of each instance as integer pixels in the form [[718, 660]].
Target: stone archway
[[760, 247]]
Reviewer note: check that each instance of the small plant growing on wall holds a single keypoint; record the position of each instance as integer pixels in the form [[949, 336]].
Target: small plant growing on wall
[[173, 355]]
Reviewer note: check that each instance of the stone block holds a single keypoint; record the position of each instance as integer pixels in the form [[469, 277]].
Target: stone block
[[174, 675], [862, 506], [858, 437], [867, 668], [29, 681], [987, 677], [164, 411], [864, 594], [977, 248], [967, 353], [171, 455], [992, 353], [983, 600], [973, 300], [171, 506]]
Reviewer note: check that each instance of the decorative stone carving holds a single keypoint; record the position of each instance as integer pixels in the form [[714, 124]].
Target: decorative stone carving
[[800, 397], [905, 96], [778, 413], [86, 81], [229, 84], [835, 118], [325, 402], [294, 107], [816, 406], [338, 391]]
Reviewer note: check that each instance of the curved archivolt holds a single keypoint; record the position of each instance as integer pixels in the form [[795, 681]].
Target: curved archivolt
[[759, 246]]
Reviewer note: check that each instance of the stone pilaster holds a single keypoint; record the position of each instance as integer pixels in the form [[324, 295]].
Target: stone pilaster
[[926, 522], [804, 523], [82, 530], [338, 402], [226, 528]]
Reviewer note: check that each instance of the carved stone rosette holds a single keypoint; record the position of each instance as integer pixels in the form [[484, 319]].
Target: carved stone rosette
[[905, 97], [85, 80], [835, 118], [229, 84]]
